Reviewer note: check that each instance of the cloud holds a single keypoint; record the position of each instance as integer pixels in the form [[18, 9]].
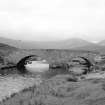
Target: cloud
[[64, 17]]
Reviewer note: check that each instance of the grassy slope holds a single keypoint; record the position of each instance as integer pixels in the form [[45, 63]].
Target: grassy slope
[[59, 91], [5, 49]]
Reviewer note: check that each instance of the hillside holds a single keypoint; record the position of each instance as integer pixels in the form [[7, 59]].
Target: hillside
[[63, 44], [17, 43], [58, 90], [69, 44], [92, 47], [6, 49]]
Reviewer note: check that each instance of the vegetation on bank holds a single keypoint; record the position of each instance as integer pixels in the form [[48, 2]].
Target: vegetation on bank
[[59, 91]]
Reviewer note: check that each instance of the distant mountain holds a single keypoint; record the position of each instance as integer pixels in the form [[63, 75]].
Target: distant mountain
[[102, 43], [64, 44], [74, 43], [17, 43], [91, 47]]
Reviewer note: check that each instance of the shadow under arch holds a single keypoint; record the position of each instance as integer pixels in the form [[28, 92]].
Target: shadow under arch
[[87, 63], [21, 64]]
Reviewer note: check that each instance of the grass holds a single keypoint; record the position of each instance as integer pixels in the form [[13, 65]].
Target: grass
[[54, 91], [58, 91]]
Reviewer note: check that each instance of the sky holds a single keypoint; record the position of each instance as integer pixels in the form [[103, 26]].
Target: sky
[[52, 19]]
